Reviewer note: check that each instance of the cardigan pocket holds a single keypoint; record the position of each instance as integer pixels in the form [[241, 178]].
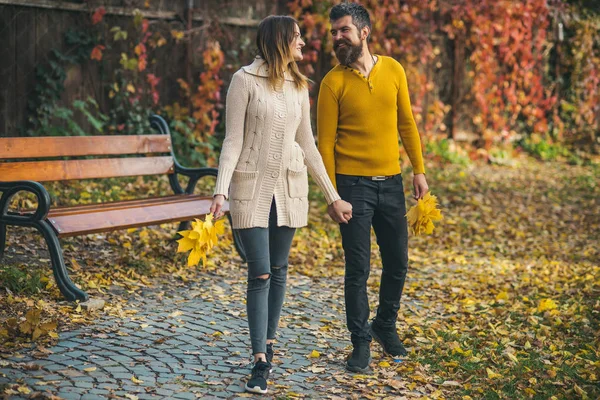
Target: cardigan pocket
[[243, 184], [297, 183]]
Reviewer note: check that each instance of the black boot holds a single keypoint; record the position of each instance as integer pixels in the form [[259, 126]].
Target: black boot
[[388, 339], [361, 357]]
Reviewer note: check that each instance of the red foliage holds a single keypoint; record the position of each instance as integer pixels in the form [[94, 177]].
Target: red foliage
[[97, 52], [507, 84], [98, 15]]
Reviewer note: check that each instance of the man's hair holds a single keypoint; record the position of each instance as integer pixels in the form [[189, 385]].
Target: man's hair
[[359, 14]]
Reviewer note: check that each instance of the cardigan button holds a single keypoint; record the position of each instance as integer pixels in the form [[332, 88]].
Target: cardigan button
[[275, 174], [278, 135], [276, 156]]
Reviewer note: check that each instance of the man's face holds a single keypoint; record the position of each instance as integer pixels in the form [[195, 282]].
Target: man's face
[[346, 40]]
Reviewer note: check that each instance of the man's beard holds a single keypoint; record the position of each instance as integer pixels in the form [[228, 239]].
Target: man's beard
[[349, 53]]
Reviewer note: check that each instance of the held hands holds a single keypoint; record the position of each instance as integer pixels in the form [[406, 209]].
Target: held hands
[[420, 186], [217, 205], [340, 211]]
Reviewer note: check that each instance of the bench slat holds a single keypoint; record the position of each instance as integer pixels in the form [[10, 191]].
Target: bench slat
[[66, 146], [110, 219], [42, 171], [121, 205]]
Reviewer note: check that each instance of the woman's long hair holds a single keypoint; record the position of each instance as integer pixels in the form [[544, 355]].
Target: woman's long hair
[[273, 40]]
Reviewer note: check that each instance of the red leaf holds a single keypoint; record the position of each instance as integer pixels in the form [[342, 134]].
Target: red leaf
[[97, 52], [98, 15]]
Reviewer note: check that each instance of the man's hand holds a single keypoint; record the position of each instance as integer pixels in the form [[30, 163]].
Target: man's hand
[[420, 186], [340, 211], [217, 205]]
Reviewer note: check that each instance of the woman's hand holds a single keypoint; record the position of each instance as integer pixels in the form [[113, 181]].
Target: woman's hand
[[340, 211], [217, 205]]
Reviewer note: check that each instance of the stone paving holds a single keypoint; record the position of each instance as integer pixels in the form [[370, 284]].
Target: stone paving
[[192, 342]]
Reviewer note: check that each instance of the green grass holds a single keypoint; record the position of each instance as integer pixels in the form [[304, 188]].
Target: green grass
[[19, 281]]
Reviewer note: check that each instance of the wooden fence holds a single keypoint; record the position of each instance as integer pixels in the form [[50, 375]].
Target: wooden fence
[[31, 29]]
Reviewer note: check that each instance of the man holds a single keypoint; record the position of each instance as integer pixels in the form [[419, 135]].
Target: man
[[363, 105]]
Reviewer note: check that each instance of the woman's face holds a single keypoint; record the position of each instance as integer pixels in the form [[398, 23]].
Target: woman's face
[[297, 44]]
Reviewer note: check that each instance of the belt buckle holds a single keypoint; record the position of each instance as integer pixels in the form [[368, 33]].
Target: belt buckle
[[379, 178]]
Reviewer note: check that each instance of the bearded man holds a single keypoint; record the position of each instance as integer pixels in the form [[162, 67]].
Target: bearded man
[[363, 106]]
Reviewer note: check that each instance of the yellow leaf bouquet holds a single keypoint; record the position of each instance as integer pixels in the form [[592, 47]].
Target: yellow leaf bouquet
[[200, 239], [421, 216]]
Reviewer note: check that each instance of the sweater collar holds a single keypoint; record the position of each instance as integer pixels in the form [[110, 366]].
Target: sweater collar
[[259, 68]]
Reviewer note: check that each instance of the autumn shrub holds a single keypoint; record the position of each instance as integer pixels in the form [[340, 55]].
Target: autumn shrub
[[488, 66]]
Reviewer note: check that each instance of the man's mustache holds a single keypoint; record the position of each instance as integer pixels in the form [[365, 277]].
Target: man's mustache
[[342, 41]]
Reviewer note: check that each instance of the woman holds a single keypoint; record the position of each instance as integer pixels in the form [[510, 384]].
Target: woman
[[263, 167]]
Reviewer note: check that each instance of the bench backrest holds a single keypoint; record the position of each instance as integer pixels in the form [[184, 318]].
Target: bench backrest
[[143, 150]]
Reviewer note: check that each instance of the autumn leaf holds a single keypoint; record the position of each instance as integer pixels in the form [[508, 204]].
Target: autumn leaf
[[97, 52], [142, 62], [136, 380], [546, 304], [177, 35], [491, 374], [98, 15], [140, 49], [314, 354], [421, 216], [200, 239]]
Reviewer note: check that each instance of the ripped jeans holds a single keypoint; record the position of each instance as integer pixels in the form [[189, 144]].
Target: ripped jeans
[[267, 252]]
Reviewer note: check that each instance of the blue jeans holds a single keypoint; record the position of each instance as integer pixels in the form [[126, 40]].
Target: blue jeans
[[267, 252], [380, 204]]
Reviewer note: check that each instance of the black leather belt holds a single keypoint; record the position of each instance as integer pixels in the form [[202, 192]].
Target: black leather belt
[[380, 177]]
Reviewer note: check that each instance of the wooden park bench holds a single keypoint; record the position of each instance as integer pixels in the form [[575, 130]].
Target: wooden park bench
[[99, 157]]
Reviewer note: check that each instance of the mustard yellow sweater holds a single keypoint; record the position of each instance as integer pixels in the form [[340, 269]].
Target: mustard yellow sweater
[[359, 118]]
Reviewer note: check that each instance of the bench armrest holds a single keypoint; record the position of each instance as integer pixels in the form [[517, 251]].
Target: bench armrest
[[9, 189], [157, 122], [194, 174]]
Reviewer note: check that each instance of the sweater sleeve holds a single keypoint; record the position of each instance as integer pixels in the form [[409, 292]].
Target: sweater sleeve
[[327, 123], [235, 114], [408, 127], [314, 162]]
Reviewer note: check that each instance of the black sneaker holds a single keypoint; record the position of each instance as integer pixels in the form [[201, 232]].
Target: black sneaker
[[361, 357], [388, 339], [269, 355], [258, 381]]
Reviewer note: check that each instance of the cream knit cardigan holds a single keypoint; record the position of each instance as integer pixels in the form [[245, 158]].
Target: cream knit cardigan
[[267, 148]]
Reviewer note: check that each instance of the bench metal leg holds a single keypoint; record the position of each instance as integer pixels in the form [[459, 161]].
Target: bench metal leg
[[61, 275], [185, 226], [2, 239]]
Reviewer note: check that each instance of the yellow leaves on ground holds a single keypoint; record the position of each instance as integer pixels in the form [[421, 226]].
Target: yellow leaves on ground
[[421, 216], [136, 380], [502, 296], [546, 304], [32, 325], [491, 374], [314, 354], [200, 239]]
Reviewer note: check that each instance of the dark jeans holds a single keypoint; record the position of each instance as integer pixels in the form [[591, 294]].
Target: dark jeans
[[380, 204], [267, 252]]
